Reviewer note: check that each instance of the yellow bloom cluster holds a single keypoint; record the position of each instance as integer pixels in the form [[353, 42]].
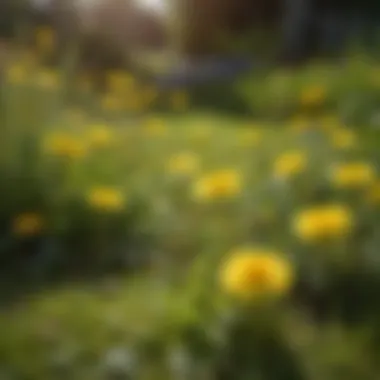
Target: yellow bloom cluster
[[100, 136], [65, 145], [353, 175], [250, 273], [219, 184], [323, 222], [106, 199], [28, 224], [183, 163], [290, 164], [313, 96]]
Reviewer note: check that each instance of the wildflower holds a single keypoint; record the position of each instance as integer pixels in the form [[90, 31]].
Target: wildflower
[[100, 136], [64, 145], [106, 199], [313, 96], [17, 74], [343, 138], [155, 127], [48, 79], [119, 81], [353, 175], [183, 163], [290, 164], [323, 222], [111, 102], [28, 224], [218, 184], [45, 39], [251, 273]]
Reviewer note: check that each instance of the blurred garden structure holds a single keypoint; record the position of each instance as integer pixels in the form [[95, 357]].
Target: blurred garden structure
[[112, 32], [162, 217]]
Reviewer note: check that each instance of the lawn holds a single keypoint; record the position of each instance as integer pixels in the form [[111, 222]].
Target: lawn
[[228, 231]]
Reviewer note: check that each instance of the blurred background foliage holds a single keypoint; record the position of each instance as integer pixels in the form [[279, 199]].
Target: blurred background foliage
[[182, 199]]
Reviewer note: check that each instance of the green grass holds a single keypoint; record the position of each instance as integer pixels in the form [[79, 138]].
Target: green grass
[[140, 280]]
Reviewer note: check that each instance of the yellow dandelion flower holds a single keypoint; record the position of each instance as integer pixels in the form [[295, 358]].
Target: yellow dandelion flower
[[353, 175], [343, 138], [100, 136], [111, 102], [64, 145], [28, 224], [17, 74], [252, 273], [225, 183], [323, 223], [290, 164], [155, 127], [45, 39], [106, 199], [183, 163], [313, 96], [48, 79], [119, 81]]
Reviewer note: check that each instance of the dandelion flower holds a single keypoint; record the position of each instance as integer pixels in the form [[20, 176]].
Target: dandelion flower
[[45, 39], [183, 163], [111, 102], [225, 183], [313, 96], [343, 138], [353, 175], [16, 74], [48, 79], [323, 222], [155, 127], [65, 145], [106, 199], [252, 273], [100, 136], [28, 224], [119, 81], [290, 164]]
